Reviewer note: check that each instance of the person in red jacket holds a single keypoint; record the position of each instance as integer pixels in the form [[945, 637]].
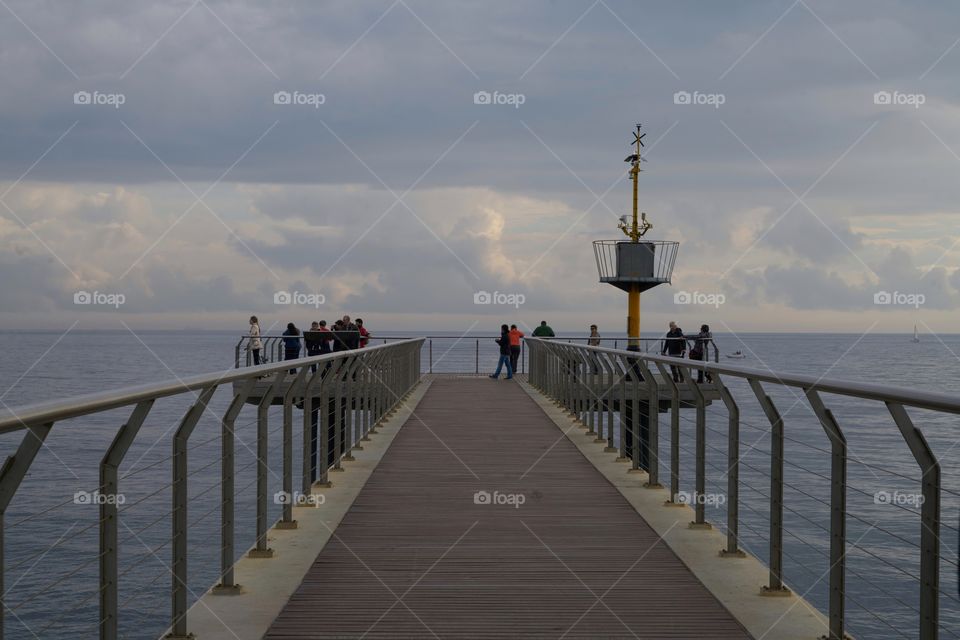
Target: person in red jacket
[[364, 334], [515, 336]]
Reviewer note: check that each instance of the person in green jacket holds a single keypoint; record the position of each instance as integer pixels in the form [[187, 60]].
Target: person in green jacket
[[544, 330]]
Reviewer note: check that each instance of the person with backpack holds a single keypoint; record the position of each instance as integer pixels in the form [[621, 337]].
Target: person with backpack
[[504, 342]]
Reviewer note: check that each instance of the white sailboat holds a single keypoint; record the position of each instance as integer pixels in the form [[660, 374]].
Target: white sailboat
[[916, 336]]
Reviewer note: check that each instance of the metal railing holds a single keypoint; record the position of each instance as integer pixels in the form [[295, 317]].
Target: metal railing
[[662, 257], [272, 349], [355, 390], [587, 380]]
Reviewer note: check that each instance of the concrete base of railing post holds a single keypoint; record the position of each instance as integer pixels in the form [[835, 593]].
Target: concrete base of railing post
[[177, 636], [732, 554], [348, 457], [286, 525], [322, 484], [610, 449], [619, 458], [673, 503], [704, 526], [598, 439], [632, 470], [227, 590], [357, 447], [782, 592], [655, 485], [336, 469], [266, 553]]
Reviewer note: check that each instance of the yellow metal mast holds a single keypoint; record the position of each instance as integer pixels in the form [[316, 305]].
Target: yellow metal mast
[[635, 231]]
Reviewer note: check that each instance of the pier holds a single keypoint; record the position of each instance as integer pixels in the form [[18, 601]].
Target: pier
[[418, 505]]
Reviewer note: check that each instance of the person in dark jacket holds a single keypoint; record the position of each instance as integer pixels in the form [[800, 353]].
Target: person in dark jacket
[[700, 350], [543, 331], [675, 344], [504, 342], [325, 345], [291, 343]]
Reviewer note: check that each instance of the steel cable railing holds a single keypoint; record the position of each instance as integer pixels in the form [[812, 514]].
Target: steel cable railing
[[344, 396], [567, 373]]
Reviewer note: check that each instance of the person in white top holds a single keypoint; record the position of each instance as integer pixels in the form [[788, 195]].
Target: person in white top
[[254, 344]]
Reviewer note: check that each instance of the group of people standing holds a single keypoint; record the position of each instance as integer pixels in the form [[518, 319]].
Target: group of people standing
[[675, 345], [344, 335], [509, 342]]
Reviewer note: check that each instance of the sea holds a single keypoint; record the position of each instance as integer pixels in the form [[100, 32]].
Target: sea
[[51, 533]]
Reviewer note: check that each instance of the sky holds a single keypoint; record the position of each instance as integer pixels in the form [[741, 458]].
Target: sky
[[184, 164]]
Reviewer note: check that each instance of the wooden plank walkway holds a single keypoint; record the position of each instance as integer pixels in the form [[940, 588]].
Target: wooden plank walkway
[[417, 557]]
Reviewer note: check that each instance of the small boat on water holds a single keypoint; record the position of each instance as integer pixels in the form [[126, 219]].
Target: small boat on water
[[916, 336], [737, 355]]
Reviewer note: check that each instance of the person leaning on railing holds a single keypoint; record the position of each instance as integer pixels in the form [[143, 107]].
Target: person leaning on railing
[[675, 344], [515, 336]]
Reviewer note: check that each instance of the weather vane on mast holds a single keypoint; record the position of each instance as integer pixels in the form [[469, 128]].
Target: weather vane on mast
[[636, 228]]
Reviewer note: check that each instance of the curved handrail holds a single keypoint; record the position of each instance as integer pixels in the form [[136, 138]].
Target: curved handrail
[[22, 417]]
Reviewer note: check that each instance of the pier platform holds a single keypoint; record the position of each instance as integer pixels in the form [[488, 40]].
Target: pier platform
[[484, 512]]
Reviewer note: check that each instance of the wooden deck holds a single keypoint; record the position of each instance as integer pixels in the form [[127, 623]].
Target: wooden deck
[[417, 557]]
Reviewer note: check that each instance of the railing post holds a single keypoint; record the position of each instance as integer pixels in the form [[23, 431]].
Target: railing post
[[929, 522], [180, 498], [653, 427], [227, 488], [775, 588], [316, 387], [667, 376], [838, 512], [430, 347], [288, 396], [700, 482], [324, 426], [733, 471], [263, 465], [109, 520], [11, 475]]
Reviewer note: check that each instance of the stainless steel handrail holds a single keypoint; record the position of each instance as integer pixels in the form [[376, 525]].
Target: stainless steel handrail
[[273, 346], [363, 385], [566, 373]]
